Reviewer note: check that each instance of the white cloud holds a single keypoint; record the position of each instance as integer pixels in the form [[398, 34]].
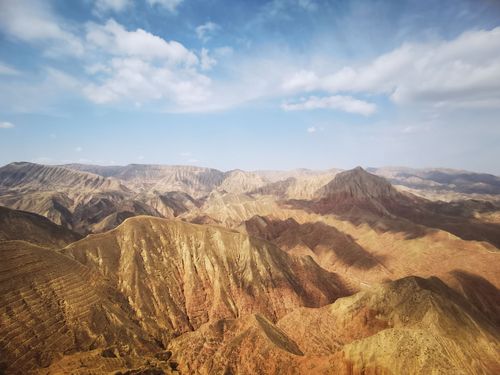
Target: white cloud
[[302, 80], [114, 39], [338, 102], [139, 67], [8, 70], [79, 149], [185, 154], [225, 51], [311, 129], [170, 5], [6, 125], [112, 5], [206, 31], [135, 80], [33, 21], [461, 72]]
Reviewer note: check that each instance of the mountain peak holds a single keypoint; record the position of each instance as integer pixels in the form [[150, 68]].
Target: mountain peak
[[357, 189], [358, 183]]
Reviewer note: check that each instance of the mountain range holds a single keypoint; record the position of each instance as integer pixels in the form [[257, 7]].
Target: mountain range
[[151, 269]]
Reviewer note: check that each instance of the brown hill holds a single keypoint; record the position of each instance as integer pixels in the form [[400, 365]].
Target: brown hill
[[26, 226], [362, 197], [250, 344], [411, 325], [441, 180], [178, 276], [357, 191], [51, 305], [35, 177], [333, 249], [75, 199], [195, 181]]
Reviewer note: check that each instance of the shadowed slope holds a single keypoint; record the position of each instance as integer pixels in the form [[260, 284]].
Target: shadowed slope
[[26, 226], [333, 249], [178, 276], [75, 199], [408, 326], [362, 197], [357, 191]]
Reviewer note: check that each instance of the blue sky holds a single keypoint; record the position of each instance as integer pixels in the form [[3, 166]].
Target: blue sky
[[275, 84]]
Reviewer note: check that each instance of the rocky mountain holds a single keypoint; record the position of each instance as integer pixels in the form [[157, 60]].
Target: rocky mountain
[[362, 197], [35, 177], [29, 227], [411, 325], [194, 270], [178, 276], [51, 305], [357, 190], [441, 180], [195, 181], [333, 249]]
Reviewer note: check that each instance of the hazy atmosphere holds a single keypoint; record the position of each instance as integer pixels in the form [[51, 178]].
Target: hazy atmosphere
[[274, 84]]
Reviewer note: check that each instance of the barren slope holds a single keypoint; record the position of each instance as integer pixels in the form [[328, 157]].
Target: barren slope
[[35, 177], [51, 305], [26, 226], [178, 276], [411, 326]]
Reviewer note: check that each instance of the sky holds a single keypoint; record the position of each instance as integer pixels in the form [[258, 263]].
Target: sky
[[275, 84]]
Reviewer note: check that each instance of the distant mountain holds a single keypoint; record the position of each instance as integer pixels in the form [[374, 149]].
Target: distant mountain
[[238, 182], [79, 200], [362, 197], [35, 177], [195, 181], [441, 180], [357, 190]]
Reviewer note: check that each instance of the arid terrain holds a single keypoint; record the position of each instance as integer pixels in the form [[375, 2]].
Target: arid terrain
[[152, 269]]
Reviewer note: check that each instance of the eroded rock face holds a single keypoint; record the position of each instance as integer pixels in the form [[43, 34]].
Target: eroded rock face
[[357, 191], [26, 226], [246, 345], [177, 276], [51, 305], [156, 296], [411, 325]]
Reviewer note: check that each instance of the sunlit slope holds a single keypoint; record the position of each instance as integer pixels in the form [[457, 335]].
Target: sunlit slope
[[178, 276], [410, 326], [51, 305]]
